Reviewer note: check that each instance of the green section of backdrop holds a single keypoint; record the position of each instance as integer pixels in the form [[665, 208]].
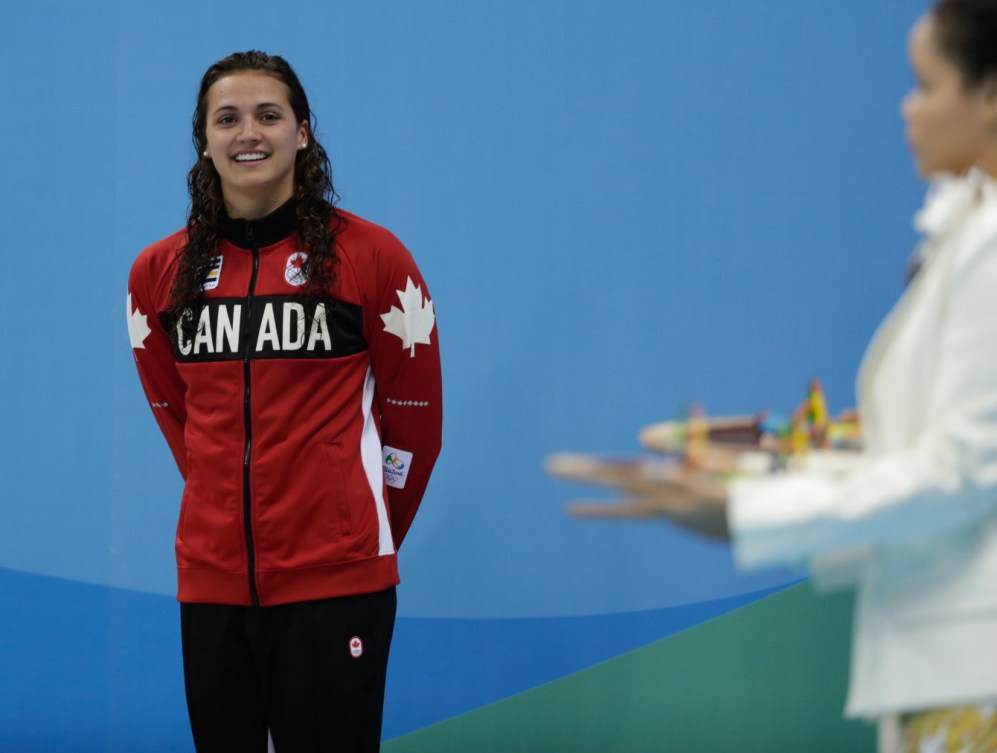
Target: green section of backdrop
[[767, 678]]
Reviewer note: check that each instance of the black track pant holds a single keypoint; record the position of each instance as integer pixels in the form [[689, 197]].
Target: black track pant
[[311, 672]]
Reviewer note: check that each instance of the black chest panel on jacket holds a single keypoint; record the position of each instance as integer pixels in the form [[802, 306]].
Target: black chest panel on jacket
[[278, 326]]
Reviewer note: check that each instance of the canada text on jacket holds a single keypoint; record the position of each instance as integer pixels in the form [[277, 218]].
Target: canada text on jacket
[[275, 327]]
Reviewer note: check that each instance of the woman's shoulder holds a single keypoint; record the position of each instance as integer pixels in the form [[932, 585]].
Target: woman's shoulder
[[376, 259], [158, 258], [168, 245], [358, 231]]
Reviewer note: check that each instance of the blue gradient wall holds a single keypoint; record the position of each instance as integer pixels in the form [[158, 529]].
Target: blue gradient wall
[[618, 207]]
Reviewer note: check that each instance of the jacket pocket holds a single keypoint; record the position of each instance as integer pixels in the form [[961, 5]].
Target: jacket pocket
[[342, 518]]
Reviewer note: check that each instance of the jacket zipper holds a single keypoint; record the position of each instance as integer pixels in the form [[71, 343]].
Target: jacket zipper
[[247, 507]]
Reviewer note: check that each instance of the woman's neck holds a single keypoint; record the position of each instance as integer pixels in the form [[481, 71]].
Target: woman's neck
[[241, 206]]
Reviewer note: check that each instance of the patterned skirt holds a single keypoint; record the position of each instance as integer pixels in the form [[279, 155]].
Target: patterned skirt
[[961, 729]]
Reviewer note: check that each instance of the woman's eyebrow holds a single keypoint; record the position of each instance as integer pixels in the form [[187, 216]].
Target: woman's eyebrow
[[260, 106]]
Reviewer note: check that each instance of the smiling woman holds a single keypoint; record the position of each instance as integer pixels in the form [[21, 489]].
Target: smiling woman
[[303, 409], [253, 141]]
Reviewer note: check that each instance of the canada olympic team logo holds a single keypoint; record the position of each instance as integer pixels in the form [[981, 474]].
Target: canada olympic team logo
[[294, 269]]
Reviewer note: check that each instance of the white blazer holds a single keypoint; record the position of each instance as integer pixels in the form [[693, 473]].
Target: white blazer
[[913, 521]]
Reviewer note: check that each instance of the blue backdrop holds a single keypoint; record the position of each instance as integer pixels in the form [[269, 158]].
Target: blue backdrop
[[618, 207]]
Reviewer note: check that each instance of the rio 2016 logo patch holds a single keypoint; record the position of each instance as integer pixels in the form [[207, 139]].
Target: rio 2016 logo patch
[[294, 268], [396, 466], [356, 647]]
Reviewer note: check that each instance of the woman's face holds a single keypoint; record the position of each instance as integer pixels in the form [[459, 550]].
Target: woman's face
[[948, 122], [253, 139]]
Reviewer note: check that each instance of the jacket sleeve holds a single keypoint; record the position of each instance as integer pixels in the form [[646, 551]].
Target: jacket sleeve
[[153, 353], [405, 358], [946, 479]]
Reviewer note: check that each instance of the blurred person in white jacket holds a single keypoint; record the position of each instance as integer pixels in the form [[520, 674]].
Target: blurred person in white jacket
[[912, 522]]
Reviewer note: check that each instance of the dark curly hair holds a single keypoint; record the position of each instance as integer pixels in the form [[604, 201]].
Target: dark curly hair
[[967, 34], [316, 219]]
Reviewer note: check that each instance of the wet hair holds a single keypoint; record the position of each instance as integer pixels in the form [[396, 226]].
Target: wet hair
[[967, 34], [316, 219]]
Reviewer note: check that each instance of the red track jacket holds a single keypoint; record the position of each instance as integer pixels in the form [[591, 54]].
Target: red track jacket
[[306, 443]]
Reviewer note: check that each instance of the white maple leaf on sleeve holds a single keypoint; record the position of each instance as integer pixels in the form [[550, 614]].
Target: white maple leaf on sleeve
[[138, 326], [414, 321]]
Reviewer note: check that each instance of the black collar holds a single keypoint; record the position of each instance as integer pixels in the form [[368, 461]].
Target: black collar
[[265, 231]]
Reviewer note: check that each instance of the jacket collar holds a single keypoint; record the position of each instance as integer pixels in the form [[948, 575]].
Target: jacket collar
[[266, 231]]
